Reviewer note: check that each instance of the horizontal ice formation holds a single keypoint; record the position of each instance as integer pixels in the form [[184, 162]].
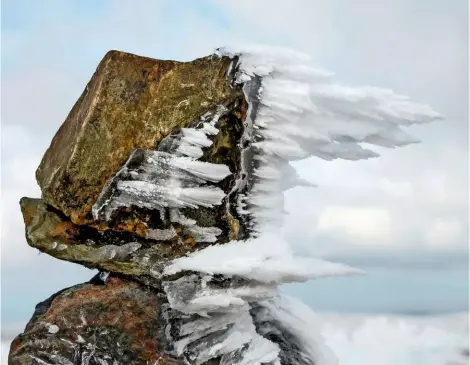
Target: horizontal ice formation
[[226, 303], [266, 259], [223, 300], [231, 308], [296, 111], [157, 180]]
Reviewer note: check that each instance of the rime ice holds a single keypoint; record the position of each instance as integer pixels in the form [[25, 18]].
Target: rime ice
[[223, 300], [295, 112], [298, 112]]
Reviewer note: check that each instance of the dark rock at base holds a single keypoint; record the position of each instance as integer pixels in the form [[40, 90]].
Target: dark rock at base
[[113, 322]]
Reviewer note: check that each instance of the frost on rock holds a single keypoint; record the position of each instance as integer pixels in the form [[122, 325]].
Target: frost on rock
[[240, 322], [52, 328], [209, 317], [205, 293], [158, 180], [293, 326], [225, 302], [168, 180]]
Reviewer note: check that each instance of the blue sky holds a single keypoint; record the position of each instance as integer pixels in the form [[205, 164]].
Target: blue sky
[[403, 216]]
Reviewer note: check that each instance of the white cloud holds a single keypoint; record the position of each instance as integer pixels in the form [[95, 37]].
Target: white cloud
[[444, 230], [18, 180], [364, 225], [399, 189], [394, 340], [4, 349]]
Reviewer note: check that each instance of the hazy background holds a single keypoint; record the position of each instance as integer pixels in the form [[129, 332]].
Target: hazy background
[[402, 217]]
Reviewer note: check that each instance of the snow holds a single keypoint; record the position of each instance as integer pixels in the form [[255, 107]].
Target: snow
[[161, 180], [202, 294], [209, 318], [52, 328], [193, 140], [295, 111], [115, 252], [204, 170], [167, 181], [293, 321], [224, 313], [200, 234]]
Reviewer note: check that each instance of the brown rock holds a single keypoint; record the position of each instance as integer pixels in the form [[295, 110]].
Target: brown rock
[[131, 102], [116, 322], [121, 252]]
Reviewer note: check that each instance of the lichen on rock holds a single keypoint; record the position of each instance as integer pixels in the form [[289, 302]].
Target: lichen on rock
[[130, 102]]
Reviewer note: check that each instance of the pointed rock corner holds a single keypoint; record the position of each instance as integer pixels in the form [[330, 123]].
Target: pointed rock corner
[[130, 102]]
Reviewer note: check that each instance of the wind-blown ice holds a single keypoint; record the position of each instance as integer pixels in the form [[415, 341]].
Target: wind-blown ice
[[237, 320], [295, 327], [298, 112], [171, 177], [223, 300], [266, 259], [295, 111], [232, 307], [157, 180]]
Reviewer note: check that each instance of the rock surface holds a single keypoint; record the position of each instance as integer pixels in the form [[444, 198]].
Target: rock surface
[[134, 115], [114, 321], [130, 102], [119, 252]]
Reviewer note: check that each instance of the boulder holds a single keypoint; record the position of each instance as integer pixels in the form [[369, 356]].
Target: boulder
[[130, 102], [121, 252], [110, 321]]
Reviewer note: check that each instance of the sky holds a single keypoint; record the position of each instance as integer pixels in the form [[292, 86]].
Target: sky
[[403, 217]]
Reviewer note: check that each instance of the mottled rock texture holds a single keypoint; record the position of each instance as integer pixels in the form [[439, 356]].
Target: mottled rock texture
[[130, 102], [133, 107], [101, 322], [120, 252]]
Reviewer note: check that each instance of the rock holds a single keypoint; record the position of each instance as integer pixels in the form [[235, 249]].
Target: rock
[[160, 159], [146, 168], [174, 128], [101, 322], [50, 232], [183, 188], [130, 102]]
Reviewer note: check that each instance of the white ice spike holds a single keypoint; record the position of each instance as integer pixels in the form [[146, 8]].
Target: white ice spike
[[231, 309], [300, 112]]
